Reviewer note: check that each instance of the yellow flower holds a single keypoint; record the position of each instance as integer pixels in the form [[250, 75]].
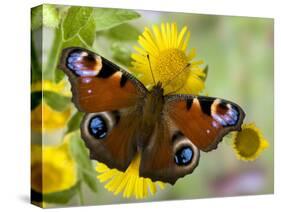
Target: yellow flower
[[249, 142], [128, 182], [170, 63], [47, 85], [53, 168], [43, 117]]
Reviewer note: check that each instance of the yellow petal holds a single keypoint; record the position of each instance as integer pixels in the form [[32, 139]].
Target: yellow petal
[[181, 36]]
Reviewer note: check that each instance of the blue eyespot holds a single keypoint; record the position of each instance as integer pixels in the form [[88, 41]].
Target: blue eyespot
[[97, 127], [183, 156]]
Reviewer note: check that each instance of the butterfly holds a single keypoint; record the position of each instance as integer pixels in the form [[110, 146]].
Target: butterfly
[[123, 118]]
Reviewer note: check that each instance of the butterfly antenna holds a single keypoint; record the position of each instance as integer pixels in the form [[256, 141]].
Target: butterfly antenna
[[151, 69], [173, 78]]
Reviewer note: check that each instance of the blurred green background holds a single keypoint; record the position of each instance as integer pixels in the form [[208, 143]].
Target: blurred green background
[[239, 52]]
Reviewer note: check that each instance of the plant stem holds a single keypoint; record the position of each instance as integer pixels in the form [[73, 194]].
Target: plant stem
[[54, 54], [81, 196]]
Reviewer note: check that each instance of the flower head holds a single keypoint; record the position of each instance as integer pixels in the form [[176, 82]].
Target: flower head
[[162, 51], [128, 182], [249, 142], [44, 117], [53, 168]]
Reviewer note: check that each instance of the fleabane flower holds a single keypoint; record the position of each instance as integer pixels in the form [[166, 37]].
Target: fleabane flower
[[44, 117], [129, 182], [162, 52], [249, 142]]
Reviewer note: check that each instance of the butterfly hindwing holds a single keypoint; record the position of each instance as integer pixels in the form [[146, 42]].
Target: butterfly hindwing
[[97, 84], [169, 154], [204, 120], [111, 137]]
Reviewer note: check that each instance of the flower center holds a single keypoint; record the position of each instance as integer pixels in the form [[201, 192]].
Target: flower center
[[248, 142], [169, 64]]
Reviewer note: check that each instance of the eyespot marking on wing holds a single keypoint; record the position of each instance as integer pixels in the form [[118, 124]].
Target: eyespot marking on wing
[[83, 64], [224, 113], [98, 127], [184, 156]]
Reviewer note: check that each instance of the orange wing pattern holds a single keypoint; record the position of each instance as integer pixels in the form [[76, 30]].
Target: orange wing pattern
[[204, 120], [97, 84]]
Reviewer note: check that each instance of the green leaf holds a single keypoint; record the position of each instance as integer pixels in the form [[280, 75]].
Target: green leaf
[[51, 16], [36, 99], [108, 18], [88, 32], [81, 156], [36, 17], [124, 32], [59, 75], [75, 41], [56, 101], [89, 179], [46, 15], [121, 53], [36, 65], [50, 68], [61, 197], [74, 122], [79, 152], [75, 20]]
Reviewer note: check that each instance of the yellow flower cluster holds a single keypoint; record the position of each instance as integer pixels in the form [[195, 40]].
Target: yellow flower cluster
[[43, 117], [53, 168]]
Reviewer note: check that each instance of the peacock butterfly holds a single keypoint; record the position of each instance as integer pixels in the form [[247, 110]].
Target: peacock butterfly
[[123, 118]]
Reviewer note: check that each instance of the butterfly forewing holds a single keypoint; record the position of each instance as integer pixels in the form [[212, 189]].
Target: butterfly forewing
[[97, 84], [204, 120]]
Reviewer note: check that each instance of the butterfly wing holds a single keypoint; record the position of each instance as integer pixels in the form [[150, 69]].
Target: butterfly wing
[[189, 124], [204, 120], [97, 84], [169, 155], [110, 97], [111, 136]]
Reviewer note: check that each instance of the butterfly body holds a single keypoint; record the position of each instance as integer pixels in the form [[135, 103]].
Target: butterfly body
[[153, 107], [123, 119]]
